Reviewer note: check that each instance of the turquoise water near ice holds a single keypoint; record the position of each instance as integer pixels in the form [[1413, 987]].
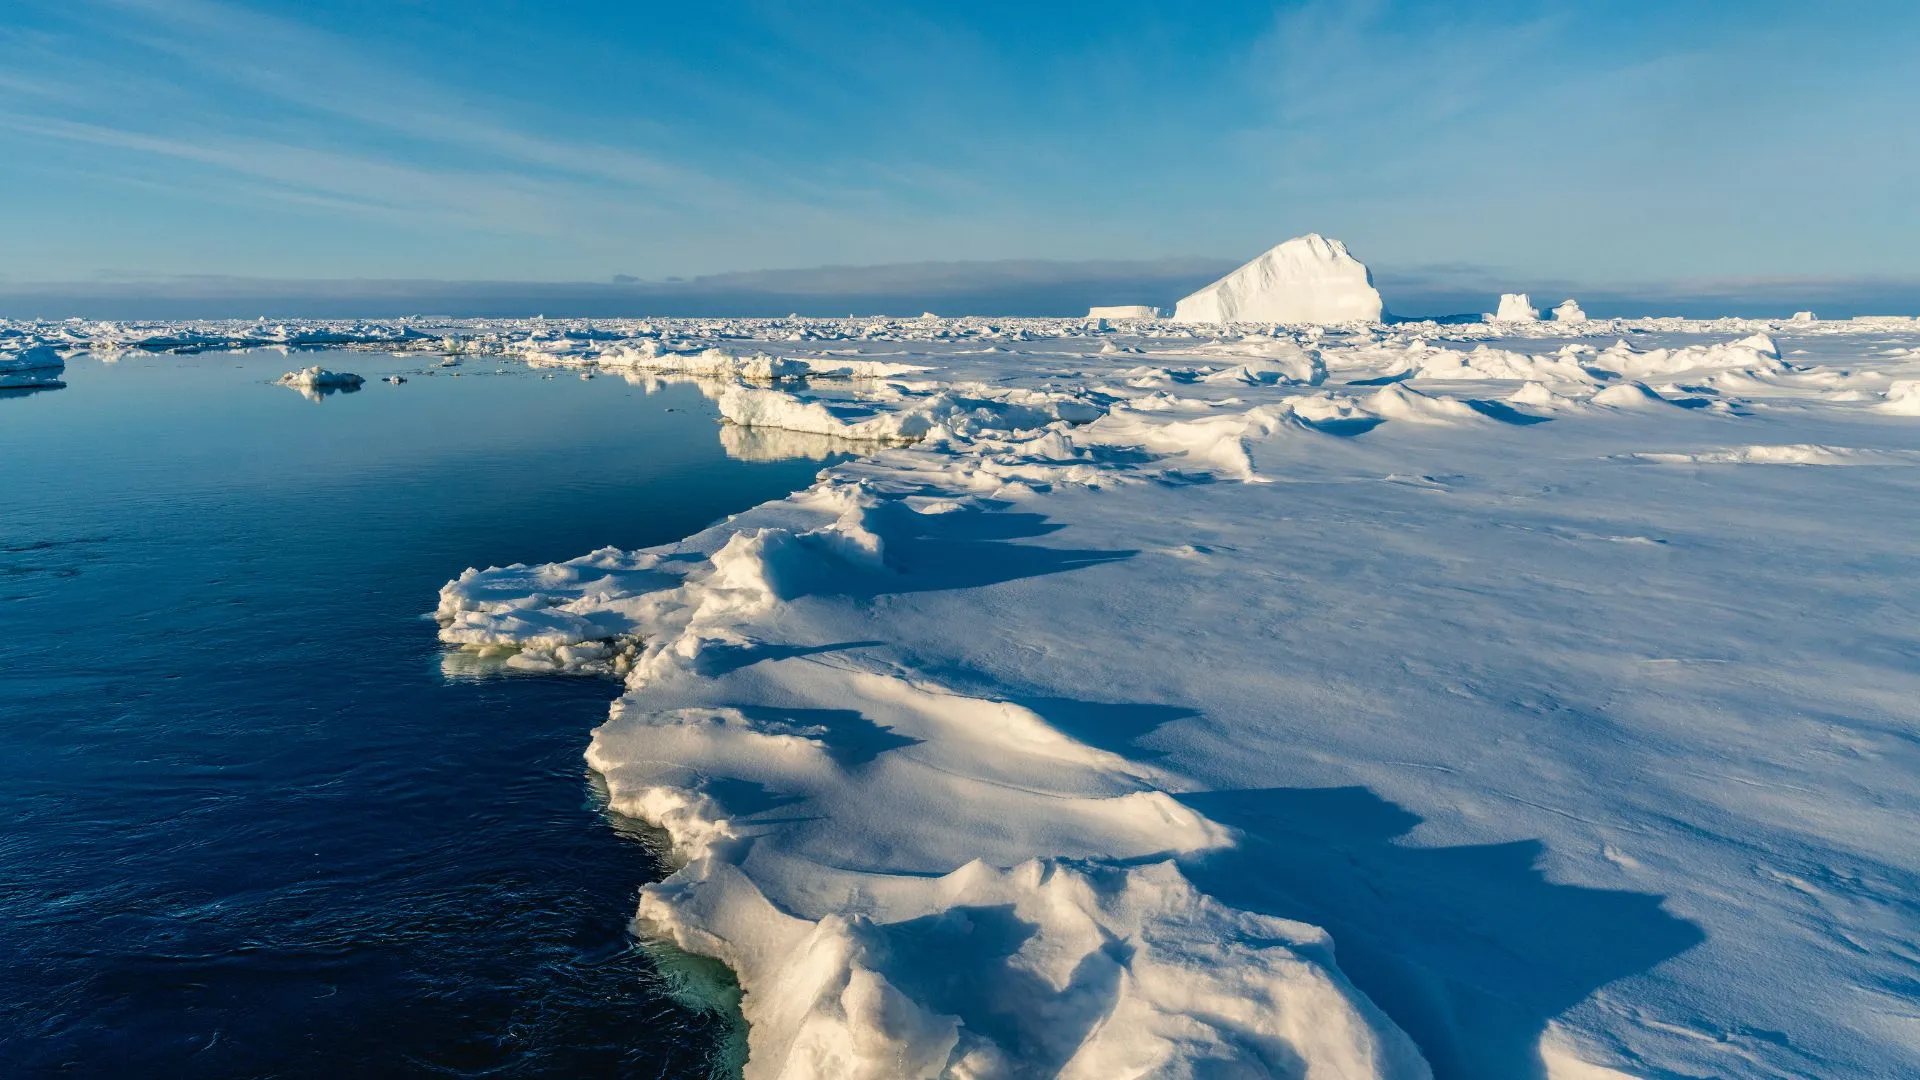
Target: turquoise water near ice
[[252, 826]]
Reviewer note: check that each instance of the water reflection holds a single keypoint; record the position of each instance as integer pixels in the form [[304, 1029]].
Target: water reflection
[[776, 444], [27, 390], [317, 393]]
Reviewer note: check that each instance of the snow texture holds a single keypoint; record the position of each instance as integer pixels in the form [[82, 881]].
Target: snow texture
[[1388, 701], [1306, 280]]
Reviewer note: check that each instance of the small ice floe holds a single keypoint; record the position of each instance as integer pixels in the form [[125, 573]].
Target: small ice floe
[[314, 378], [36, 367], [315, 383]]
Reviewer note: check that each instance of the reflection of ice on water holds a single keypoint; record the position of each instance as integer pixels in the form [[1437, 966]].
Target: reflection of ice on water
[[315, 393], [17, 390], [778, 444]]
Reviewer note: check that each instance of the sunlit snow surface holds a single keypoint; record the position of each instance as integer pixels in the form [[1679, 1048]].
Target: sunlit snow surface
[[1488, 702]]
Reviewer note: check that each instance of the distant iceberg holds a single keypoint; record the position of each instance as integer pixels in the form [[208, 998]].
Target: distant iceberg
[[1123, 311], [1569, 311], [1309, 279], [1515, 308]]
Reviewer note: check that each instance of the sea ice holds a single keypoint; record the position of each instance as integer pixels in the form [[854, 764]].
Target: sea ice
[[1386, 702]]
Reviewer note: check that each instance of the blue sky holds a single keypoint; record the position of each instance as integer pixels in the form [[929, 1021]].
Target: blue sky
[[514, 140]]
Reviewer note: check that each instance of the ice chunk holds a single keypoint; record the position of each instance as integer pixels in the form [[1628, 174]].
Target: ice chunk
[[1804, 316], [319, 378], [1309, 279], [32, 366], [1569, 311]]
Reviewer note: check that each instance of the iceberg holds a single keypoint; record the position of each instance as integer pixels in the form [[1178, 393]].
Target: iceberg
[[1569, 311], [1309, 279], [1123, 311], [1515, 308]]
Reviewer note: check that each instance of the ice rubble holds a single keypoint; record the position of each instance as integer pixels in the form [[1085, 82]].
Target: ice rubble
[[1308, 279], [1018, 748]]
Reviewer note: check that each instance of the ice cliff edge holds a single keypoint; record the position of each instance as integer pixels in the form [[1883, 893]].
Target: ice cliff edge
[[1308, 279]]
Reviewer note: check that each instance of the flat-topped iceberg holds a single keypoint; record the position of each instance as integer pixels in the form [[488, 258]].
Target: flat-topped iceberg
[[1123, 311], [1308, 279]]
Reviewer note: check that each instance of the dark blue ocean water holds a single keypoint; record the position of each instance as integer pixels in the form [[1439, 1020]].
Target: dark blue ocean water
[[250, 826]]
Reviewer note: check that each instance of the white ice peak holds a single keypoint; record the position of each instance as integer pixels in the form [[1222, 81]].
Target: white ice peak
[[1308, 279], [1515, 307]]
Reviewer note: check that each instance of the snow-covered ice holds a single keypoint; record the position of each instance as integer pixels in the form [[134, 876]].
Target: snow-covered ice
[[26, 364], [1480, 701], [1308, 279]]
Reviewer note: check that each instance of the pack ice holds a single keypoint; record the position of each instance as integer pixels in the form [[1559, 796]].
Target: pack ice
[[1487, 702], [1308, 279]]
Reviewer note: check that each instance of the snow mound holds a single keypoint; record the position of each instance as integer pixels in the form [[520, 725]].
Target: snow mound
[[1489, 363], [1406, 404], [1309, 279], [1123, 311], [1756, 353], [1515, 308], [1630, 395], [1903, 398], [1569, 311]]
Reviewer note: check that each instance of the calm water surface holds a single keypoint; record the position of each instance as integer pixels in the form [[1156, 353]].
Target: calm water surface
[[251, 827]]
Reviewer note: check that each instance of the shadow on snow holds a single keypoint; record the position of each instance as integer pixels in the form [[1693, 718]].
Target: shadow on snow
[[1470, 949]]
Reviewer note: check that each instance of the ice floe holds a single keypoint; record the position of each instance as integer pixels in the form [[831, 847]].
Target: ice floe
[[1038, 738]]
